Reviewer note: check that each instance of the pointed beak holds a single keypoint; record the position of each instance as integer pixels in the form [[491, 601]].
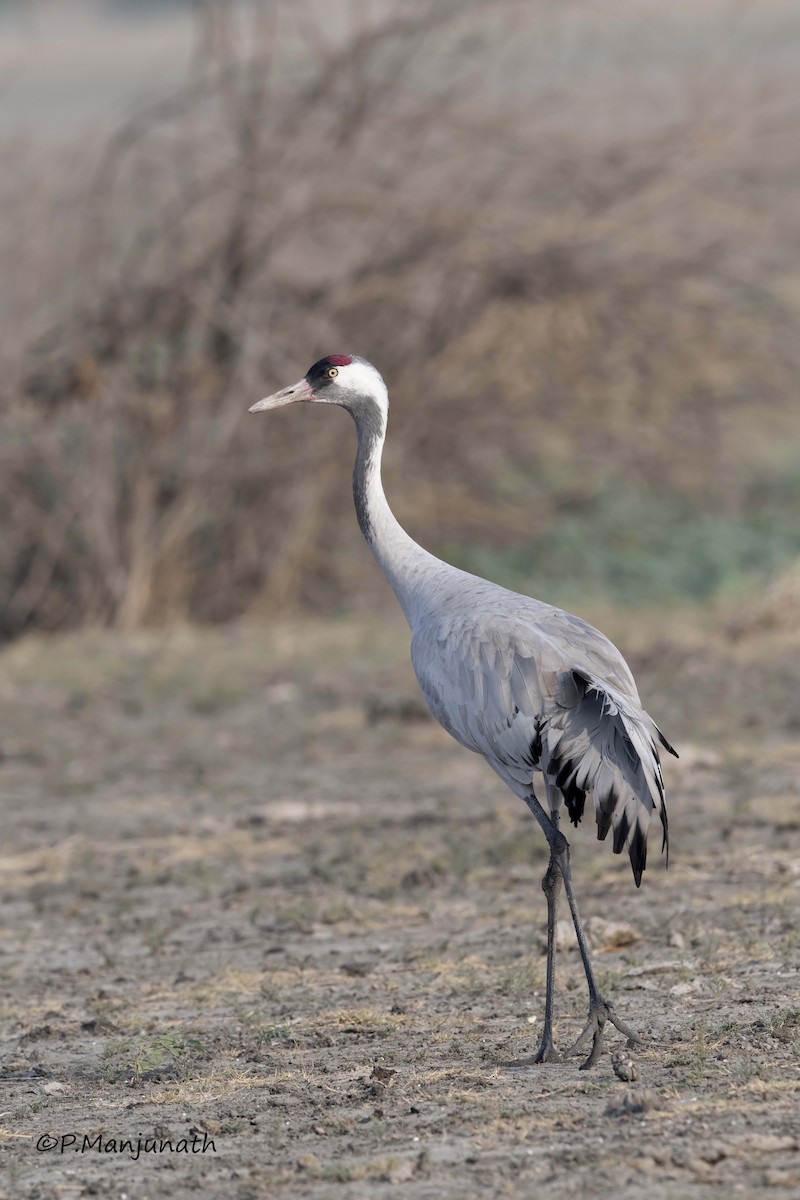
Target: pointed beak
[[288, 395]]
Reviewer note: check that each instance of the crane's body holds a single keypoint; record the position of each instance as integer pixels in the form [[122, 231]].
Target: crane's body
[[533, 689]]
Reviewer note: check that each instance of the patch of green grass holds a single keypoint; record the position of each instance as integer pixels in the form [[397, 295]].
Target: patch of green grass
[[725, 1028], [694, 1057], [339, 912], [522, 978], [260, 1030], [144, 1057], [647, 547], [299, 915], [748, 1067], [785, 1025], [217, 696]]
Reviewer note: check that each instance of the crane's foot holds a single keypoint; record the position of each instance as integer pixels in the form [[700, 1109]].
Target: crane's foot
[[546, 1052], [600, 1011]]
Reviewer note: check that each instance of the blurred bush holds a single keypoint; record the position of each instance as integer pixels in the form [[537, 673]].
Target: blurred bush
[[589, 327]]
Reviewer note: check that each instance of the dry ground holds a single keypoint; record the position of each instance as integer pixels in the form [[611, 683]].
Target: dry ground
[[249, 891]]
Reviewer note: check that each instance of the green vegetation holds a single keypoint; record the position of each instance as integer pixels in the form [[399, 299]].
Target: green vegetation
[[146, 1057], [641, 547]]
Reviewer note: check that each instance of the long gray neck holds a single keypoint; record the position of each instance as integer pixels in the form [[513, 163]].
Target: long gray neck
[[407, 567]]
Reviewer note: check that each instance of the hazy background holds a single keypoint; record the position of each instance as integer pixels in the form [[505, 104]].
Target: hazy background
[[567, 233]]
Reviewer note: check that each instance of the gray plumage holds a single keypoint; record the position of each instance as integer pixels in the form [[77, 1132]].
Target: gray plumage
[[531, 687], [534, 690]]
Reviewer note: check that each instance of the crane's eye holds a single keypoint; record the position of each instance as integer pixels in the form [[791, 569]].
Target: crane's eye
[[332, 372]]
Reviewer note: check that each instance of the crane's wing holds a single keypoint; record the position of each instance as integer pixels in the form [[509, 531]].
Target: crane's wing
[[550, 694]]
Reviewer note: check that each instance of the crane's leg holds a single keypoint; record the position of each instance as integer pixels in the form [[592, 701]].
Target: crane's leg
[[600, 1009], [551, 886]]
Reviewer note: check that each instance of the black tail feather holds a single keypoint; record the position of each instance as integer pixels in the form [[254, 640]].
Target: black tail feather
[[601, 739]]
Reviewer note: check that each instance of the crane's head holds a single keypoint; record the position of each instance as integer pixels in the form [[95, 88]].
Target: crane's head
[[343, 379]]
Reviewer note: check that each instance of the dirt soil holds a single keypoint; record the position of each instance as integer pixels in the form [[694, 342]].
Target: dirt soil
[[252, 894]]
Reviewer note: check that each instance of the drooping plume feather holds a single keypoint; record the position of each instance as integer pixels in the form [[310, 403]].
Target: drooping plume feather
[[594, 741]]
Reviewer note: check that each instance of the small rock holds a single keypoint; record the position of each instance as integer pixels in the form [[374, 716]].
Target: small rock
[[624, 1066], [208, 1125], [380, 1079], [283, 693], [400, 1172], [308, 1162], [609, 935], [566, 937], [689, 987], [383, 1074], [690, 1162], [769, 1143], [782, 1179]]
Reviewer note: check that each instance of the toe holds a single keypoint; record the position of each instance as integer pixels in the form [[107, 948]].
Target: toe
[[594, 1054], [547, 1054]]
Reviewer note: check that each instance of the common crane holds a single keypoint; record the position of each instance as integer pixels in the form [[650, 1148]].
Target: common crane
[[529, 686]]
